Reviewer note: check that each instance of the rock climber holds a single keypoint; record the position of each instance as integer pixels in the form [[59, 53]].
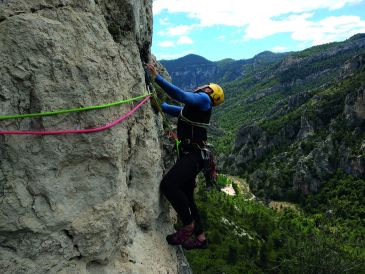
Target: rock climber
[[179, 183]]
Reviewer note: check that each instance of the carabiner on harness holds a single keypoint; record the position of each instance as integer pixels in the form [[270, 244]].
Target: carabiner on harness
[[209, 168]]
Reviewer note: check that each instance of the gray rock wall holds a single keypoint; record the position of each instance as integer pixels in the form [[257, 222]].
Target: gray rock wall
[[86, 203]]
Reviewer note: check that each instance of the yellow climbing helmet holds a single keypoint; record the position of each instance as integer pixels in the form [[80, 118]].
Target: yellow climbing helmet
[[217, 95]]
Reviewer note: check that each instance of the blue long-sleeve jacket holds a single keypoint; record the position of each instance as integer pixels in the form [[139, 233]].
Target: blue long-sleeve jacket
[[199, 99]]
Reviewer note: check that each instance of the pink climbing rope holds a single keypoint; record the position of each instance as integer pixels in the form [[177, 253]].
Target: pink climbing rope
[[79, 131]]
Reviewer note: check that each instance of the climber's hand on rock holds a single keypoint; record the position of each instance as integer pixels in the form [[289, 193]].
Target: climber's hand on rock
[[152, 69]]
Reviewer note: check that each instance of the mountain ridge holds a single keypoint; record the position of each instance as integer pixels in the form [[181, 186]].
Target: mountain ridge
[[277, 100], [193, 70]]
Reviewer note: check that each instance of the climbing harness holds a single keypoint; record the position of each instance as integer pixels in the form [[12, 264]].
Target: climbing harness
[[77, 131], [192, 123], [209, 169]]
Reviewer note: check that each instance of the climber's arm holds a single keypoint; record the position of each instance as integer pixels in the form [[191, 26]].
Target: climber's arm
[[171, 109], [199, 99]]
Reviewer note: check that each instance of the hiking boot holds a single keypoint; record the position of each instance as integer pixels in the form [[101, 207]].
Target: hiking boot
[[194, 243], [179, 236]]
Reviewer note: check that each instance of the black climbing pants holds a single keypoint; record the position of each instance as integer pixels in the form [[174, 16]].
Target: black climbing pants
[[179, 183]]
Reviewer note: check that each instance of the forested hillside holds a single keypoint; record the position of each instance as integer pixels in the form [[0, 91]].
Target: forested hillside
[[246, 236], [299, 125], [301, 113], [292, 126]]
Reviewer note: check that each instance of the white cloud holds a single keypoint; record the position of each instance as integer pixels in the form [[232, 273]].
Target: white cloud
[[177, 31], [164, 21], [329, 29], [260, 29], [279, 49], [166, 44], [241, 13], [262, 18], [185, 40], [303, 29]]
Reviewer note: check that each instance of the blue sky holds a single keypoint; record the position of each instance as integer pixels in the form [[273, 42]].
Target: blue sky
[[241, 29]]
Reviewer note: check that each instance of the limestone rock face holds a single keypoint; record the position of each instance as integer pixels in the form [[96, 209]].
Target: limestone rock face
[[80, 203]]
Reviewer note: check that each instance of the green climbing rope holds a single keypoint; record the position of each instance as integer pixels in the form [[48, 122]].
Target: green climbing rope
[[56, 112]]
